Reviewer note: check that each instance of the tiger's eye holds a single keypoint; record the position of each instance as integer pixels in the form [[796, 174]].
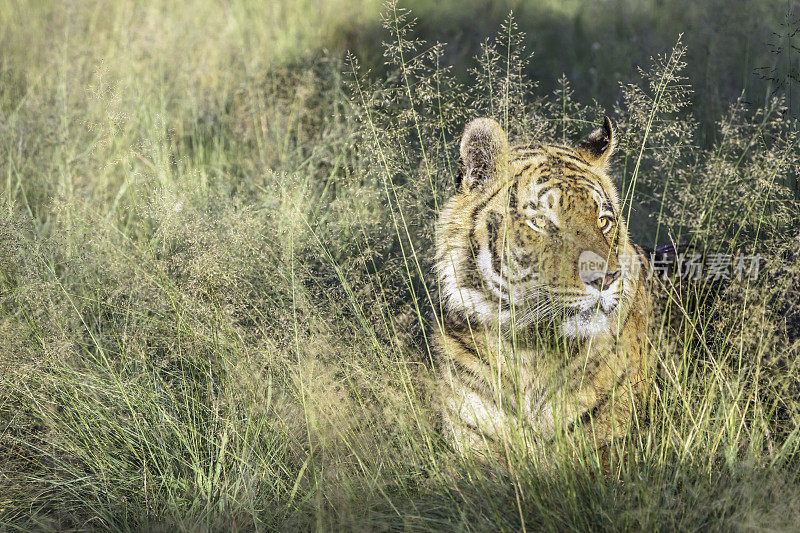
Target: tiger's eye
[[538, 222], [605, 223]]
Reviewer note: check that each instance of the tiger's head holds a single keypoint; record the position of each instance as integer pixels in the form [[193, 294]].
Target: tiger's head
[[535, 235]]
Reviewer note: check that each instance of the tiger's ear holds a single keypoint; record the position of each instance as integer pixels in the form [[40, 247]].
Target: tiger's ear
[[483, 152], [599, 145]]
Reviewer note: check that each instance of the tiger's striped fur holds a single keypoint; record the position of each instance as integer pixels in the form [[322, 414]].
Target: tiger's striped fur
[[524, 341]]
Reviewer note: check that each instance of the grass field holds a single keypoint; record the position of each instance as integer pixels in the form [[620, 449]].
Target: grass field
[[216, 248]]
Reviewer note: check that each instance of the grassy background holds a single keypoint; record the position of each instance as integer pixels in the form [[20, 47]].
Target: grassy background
[[215, 267]]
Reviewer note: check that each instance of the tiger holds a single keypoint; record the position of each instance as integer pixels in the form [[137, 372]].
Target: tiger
[[543, 314]]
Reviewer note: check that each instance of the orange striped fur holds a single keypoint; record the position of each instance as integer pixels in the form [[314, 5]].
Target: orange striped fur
[[527, 343]]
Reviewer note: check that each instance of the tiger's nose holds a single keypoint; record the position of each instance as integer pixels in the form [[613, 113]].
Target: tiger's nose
[[604, 282]]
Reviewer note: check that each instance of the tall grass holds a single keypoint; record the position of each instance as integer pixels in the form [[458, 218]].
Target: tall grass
[[215, 285]]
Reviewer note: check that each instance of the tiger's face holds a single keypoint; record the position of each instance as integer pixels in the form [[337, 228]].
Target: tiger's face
[[535, 235]]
